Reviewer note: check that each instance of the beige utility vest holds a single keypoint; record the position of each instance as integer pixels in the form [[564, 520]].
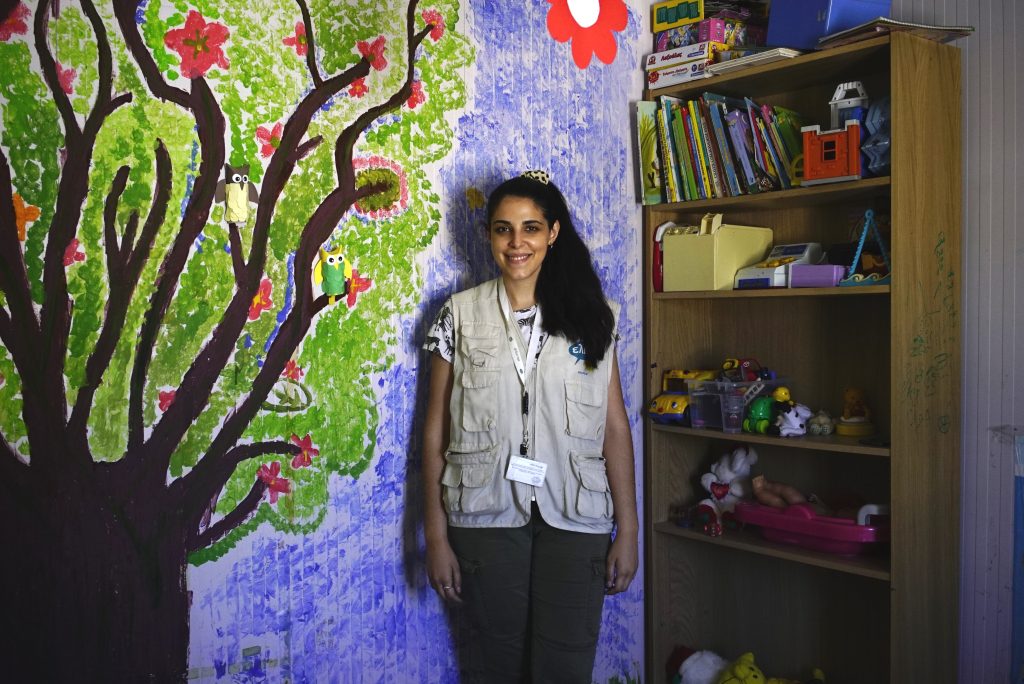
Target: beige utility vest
[[566, 414]]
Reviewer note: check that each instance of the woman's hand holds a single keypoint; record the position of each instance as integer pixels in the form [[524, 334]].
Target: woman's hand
[[623, 560], [443, 571]]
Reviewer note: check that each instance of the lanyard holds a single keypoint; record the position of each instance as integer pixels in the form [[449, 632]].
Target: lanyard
[[522, 364]]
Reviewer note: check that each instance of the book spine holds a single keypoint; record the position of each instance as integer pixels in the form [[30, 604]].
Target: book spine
[[711, 150], [769, 152], [691, 142], [647, 144], [682, 153], [666, 158], [733, 122], [699, 149], [677, 180], [717, 110]]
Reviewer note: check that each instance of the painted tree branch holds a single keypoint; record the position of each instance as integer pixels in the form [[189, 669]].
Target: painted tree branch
[[232, 520], [307, 21], [125, 262], [41, 31], [237, 258], [105, 65], [111, 244], [13, 276], [199, 380], [205, 479], [210, 125], [124, 12]]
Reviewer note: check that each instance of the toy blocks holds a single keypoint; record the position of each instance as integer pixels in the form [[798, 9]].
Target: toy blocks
[[831, 156]]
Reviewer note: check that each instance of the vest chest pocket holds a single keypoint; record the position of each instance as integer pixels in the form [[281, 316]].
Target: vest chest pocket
[[479, 400], [587, 493], [473, 482], [584, 407]]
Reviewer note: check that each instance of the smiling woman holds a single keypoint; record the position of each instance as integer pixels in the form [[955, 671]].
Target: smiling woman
[[527, 454], [590, 25]]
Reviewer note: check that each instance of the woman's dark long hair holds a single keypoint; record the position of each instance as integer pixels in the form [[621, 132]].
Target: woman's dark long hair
[[568, 289]]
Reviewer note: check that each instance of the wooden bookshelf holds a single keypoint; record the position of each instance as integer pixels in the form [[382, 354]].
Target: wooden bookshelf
[[886, 616]]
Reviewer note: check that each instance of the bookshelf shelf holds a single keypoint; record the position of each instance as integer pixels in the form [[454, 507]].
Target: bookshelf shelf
[[834, 443], [778, 292], [784, 199], [874, 567], [896, 613]]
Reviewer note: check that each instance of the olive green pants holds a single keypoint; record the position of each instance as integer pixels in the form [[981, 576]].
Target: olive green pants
[[535, 595]]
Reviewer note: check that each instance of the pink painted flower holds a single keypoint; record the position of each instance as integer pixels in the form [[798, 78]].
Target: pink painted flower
[[15, 23], [434, 18], [270, 138], [417, 96], [199, 44], [261, 302], [165, 399], [305, 457], [292, 371], [73, 253], [298, 40], [356, 286], [590, 25], [374, 52], [66, 78], [358, 88], [271, 476]]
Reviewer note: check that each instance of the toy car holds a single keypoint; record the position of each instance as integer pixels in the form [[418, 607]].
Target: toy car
[[670, 407]]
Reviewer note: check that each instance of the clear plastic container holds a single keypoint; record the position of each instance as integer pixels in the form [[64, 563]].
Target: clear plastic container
[[721, 404]]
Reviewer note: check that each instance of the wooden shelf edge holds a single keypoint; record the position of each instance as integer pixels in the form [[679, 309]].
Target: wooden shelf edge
[[779, 198], [774, 292], [873, 567], [834, 443]]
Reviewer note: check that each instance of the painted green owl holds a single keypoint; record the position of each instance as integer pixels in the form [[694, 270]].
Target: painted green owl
[[332, 273]]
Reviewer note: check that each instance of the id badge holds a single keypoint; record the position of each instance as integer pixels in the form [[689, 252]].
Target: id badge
[[526, 471]]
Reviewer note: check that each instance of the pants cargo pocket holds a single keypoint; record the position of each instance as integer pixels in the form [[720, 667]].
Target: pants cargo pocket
[[473, 483], [587, 492]]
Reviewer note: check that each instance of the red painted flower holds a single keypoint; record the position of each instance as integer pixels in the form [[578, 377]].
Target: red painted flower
[[270, 138], [356, 286], [15, 23], [417, 96], [199, 45], [261, 302], [66, 78], [271, 476], [591, 25], [358, 88], [305, 457], [434, 18], [73, 253], [374, 52], [292, 371], [298, 41], [165, 399]]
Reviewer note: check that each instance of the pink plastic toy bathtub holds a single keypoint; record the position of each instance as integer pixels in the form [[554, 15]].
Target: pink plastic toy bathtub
[[799, 524]]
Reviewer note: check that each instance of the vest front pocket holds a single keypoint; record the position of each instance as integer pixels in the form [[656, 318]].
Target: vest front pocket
[[584, 412], [479, 399], [473, 482], [586, 490]]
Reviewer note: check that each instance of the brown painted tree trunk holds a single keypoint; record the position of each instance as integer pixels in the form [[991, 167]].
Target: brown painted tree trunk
[[97, 589]]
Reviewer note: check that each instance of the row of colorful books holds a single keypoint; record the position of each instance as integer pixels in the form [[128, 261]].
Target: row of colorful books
[[716, 146]]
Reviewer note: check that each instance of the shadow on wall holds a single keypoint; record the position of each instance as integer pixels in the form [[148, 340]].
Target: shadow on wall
[[463, 256]]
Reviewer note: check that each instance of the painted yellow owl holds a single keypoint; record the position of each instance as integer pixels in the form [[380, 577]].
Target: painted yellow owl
[[332, 273]]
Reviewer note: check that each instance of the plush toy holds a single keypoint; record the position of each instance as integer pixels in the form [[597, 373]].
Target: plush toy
[[792, 422], [702, 667], [821, 424], [728, 482], [744, 670]]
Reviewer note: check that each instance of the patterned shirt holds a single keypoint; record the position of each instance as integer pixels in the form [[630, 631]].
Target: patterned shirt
[[441, 336]]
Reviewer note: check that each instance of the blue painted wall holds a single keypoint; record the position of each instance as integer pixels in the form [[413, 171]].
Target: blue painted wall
[[349, 602]]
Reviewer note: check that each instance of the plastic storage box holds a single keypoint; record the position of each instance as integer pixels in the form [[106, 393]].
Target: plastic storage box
[[720, 404], [799, 524]]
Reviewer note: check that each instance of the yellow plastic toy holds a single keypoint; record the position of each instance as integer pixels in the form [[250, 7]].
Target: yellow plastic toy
[[669, 407], [744, 670]]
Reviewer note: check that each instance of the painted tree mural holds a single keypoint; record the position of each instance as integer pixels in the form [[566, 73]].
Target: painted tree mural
[[170, 375]]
